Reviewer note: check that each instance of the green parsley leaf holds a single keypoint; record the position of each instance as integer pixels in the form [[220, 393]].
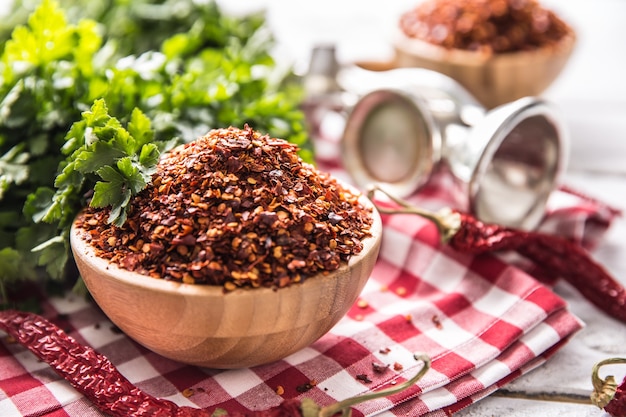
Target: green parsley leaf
[[139, 127], [113, 154], [110, 191]]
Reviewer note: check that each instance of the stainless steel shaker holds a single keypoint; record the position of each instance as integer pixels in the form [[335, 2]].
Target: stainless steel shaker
[[403, 125]]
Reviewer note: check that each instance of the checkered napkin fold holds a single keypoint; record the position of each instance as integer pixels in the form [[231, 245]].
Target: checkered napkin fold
[[483, 320]]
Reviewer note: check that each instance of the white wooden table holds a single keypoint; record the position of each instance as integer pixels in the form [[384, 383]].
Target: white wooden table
[[592, 95]]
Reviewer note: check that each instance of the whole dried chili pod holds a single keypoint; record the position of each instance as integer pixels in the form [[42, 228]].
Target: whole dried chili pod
[[86, 370], [555, 253], [93, 375], [558, 255], [606, 393]]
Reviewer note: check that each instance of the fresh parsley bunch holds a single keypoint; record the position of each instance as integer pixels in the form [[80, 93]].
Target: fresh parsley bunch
[[138, 26], [85, 118]]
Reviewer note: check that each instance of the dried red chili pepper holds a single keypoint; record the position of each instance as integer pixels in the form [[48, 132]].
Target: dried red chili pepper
[[606, 393], [558, 255], [88, 371], [93, 375]]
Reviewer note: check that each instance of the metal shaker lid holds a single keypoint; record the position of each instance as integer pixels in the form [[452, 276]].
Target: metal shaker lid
[[519, 152], [389, 139]]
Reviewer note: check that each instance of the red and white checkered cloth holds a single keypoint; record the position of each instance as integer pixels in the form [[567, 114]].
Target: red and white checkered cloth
[[482, 320]]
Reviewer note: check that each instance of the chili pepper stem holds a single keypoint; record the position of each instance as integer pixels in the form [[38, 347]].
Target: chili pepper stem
[[604, 389], [448, 221], [344, 407]]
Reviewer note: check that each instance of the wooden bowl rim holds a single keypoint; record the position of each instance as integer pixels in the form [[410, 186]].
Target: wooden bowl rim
[[462, 57]]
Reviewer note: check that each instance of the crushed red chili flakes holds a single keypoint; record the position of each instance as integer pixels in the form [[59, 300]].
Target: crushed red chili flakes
[[380, 367], [307, 386], [363, 378], [234, 208], [490, 26], [401, 291]]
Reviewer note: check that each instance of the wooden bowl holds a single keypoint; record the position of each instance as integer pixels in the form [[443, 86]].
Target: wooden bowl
[[493, 79], [202, 325]]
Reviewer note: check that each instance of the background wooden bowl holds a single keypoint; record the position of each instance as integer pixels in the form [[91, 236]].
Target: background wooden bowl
[[493, 79], [202, 325]]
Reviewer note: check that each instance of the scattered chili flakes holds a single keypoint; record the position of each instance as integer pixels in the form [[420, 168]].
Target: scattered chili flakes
[[362, 303], [364, 378], [280, 390], [379, 367], [401, 291], [489, 26], [408, 317], [437, 322], [384, 288], [306, 386], [234, 208], [384, 350], [188, 392], [397, 366], [359, 317]]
